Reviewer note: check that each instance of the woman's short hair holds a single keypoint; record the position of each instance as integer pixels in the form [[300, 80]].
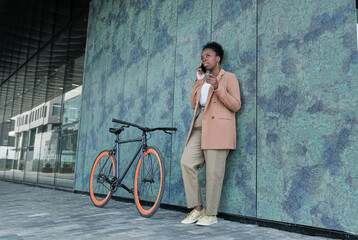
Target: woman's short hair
[[216, 47]]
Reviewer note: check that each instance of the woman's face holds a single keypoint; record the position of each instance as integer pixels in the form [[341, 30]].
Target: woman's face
[[209, 59]]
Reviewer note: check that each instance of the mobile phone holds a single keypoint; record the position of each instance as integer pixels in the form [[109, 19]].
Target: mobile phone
[[203, 69]]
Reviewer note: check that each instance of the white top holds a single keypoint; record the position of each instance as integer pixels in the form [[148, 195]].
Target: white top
[[204, 93]]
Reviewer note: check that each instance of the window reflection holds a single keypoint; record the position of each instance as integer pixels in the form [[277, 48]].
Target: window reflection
[[41, 144], [7, 147], [56, 109], [69, 134]]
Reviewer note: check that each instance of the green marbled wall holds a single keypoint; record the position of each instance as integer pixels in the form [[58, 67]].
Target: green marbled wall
[[307, 113], [297, 69]]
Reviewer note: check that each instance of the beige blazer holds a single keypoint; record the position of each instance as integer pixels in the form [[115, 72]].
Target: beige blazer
[[219, 124]]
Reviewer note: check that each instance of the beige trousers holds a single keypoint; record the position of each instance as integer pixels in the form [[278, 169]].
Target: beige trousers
[[193, 158]]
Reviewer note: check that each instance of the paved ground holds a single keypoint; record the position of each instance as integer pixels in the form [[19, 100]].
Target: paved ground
[[29, 212]]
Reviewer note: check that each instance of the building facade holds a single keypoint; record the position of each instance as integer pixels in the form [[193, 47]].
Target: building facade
[[297, 131]]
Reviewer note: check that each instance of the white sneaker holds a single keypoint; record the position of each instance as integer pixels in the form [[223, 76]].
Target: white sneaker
[[193, 216], [206, 220]]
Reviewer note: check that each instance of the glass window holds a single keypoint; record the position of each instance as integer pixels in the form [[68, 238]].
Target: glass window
[[32, 139], [17, 141], [42, 128], [12, 125], [24, 145], [56, 109], [69, 134], [55, 126]]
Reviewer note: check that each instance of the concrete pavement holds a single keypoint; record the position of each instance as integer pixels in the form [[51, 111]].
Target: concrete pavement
[[30, 212]]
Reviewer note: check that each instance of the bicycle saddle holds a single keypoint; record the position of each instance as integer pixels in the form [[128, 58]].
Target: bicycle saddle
[[116, 130]]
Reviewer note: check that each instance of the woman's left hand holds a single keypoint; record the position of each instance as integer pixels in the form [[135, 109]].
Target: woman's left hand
[[213, 81]]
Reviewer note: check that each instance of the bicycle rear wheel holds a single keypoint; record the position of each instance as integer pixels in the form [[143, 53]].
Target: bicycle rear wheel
[[102, 173], [149, 182]]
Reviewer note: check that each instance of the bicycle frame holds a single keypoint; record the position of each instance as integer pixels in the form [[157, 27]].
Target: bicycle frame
[[115, 150]]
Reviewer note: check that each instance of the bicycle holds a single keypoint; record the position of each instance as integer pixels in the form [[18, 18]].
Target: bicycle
[[149, 175]]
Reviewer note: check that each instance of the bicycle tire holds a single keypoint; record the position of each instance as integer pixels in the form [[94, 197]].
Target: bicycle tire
[[153, 178], [100, 189]]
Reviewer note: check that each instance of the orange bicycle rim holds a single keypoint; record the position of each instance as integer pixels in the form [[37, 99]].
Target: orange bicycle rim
[[142, 210], [95, 201]]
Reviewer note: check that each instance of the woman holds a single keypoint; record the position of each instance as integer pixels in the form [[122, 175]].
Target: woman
[[215, 98]]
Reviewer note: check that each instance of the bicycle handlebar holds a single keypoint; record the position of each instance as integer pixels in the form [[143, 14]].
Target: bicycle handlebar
[[164, 129], [145, 129], [127, 123]]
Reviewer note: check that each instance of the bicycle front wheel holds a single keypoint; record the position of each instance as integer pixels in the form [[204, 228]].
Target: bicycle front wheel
[[102, 173], [149, 182]]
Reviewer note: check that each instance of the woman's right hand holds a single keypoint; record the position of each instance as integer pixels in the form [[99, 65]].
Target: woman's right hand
[[199, 74]]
